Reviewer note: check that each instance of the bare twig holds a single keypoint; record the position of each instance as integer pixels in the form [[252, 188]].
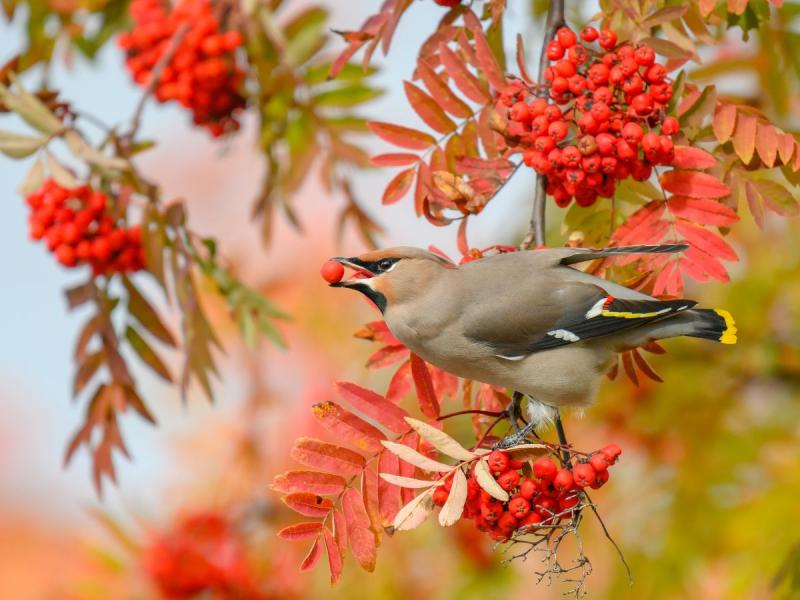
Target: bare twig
[[610, 539], [535, 235], [155, 76]]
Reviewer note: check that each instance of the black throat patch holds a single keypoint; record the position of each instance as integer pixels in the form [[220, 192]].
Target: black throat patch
[[378, 298]]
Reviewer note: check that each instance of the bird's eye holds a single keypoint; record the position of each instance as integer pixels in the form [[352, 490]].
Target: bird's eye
[[385, 264]]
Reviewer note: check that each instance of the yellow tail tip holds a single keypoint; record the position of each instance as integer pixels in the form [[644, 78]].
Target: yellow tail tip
[[729, 334]]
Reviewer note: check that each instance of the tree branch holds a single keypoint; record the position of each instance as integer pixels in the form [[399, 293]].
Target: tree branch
[[535, 235]]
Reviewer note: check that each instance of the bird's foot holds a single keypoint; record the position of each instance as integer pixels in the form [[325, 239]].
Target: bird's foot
[[520, 436], [513, 411]]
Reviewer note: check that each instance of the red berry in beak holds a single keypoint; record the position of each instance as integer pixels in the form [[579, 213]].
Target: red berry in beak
[[332, 271]]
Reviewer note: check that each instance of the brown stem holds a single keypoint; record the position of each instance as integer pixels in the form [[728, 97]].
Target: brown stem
[[474, 411], [535, 235], [155, 76]]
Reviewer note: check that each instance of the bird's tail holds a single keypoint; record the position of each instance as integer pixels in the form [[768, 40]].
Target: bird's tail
[[714, 324]]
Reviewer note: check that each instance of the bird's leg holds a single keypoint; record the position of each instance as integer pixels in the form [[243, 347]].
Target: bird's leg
[[514, 414], [513, 410], [562, 438]]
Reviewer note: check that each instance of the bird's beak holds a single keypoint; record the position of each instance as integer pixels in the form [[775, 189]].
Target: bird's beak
[[361, 271]]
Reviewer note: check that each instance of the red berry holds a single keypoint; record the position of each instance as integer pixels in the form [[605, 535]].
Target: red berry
[[558, 130], [670, 126], [598, 73], [642, 104], [491, 511], [508, 479], [655, 74], [583, 474], [607, 39], [599, 462], [565, 68], [563, 480], [544, 469], [554, 50], [497, 461], [571, 157], [66, 255], [532, 518], [587, 123], [507, 522], [546, 506], [568, 501], [527, 488], [332, 271], [519, 507], [566, 37], [440, 496], [589, 34], [612, 451], [600, 479], [520, 112], [632, 132], [644, 55]]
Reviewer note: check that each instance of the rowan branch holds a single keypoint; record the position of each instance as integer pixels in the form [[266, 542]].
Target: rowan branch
[[535, 235]]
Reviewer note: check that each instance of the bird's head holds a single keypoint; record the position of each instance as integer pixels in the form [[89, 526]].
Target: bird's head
[[392, 275]]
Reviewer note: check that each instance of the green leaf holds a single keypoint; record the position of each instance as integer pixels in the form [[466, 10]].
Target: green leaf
[[146, 353], [15, 145], [146, 315], [30, 108], [777, 198], [352, 95], [306, 36], [81, 149]]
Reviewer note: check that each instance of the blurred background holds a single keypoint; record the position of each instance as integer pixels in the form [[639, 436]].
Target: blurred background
[[704, 503]]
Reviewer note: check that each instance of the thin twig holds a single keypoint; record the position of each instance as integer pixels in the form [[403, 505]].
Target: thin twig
[[155, 76], [535, 235], [610, 539]]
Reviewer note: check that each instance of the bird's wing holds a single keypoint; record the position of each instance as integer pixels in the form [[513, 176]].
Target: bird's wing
[[578, 255], [556, 313]]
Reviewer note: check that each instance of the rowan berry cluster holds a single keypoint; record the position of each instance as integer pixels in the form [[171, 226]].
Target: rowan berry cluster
[[77, 228], [603, 119], [540, 494], [202, 75]]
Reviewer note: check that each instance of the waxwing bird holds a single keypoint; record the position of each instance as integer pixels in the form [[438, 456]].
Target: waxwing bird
[[527, 321]]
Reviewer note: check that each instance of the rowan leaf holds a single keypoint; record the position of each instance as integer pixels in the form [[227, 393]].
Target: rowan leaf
[[412, 457], [466, 82], [441, 92], [373, 405], [744, 138], [394, 159], [664, 15], [708, 263], [634, 229], [308, 505], [400, 384], [389, 495], [414, 513], [426, 395], [313, 556], [453, 507], [145, 352], [359, 535], [767, 144], [777, 198], [87, 370], [427, 109], [327, 457], [491, 69], [688, 157], [347, 427], [706, 240], [386, 356], [340, 531], [755, 203], [334, 556], [369, 494], [693, 184], [440, 440], [724, 122], [15, 145], [405, 137], [32, 110], [786, 143], [408, 482], [312, 482], [300, 531], [35, 177], [703, 210], [146, 315], [398, 186], [484, 478]]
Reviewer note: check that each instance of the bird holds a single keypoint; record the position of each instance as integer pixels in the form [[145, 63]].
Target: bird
[[527, 321]]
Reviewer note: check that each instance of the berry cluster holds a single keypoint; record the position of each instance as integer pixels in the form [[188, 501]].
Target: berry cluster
[[603, 120], [76, 227], [202, 75], [540, 494]]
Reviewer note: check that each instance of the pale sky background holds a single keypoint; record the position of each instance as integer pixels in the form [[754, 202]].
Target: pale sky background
[[36, 367]]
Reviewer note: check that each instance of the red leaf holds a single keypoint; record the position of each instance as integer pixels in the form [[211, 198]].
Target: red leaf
[[645, 366], [744, 138], [369, 493], [421, 191], [347, 427], [489, 66], [442, 93], [313, 556], [313, 482], [724, 122], [401, 383], [708, 263], [386, 356], [630, 371], [340, 531], [461, 237], [425, 392], [630, 232], [398, 186], [755, 203], [693, 184], [688, 157], [361, 538], [374, 406], [300, 531], [692, 269], [465, 81], [786, 147], [523, 70], [308, 505], [394, 159], [377, 331], [327, 457], [708, 241], [334, 557], [389, 501], [405, 137], [427, 109], [662, 281], [703, 210], [767, 144]]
